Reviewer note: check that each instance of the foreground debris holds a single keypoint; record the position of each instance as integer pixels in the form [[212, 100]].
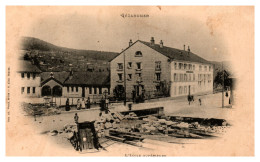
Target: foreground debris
[[134, 130]]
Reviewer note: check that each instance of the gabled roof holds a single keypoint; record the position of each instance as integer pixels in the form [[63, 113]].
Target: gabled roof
[[176, 54], [51, 78], [89, 79], [172, 53], [27, 66], [60, 76]]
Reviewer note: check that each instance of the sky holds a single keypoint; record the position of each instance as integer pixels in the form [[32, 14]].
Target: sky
[[209, 31]]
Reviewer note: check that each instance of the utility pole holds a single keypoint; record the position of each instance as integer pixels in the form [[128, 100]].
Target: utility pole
[[124, 82], [223, 77]]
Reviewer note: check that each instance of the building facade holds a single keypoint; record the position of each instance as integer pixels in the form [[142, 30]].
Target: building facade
[[154, 70], [29, 79], [75, 84]]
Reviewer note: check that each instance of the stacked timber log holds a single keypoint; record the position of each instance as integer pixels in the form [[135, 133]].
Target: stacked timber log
[[125, 137]]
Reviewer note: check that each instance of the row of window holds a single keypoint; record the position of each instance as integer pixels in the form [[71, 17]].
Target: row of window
[[129, 66], [28, 90], [190, 77], [204, 77], [199, 82], [97, 90], [183, 77], [138, 77], [120, 66], [184, 90], [28, 75], [184, 66], [72, 89]]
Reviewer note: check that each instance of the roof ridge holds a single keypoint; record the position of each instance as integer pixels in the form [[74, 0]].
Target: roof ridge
[[181, 56]]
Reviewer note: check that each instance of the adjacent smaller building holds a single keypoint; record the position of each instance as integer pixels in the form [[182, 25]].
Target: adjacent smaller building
[[29, 80], [75, 84]]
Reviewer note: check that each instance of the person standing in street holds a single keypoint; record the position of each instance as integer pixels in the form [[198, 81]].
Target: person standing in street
[[76, 118], [107, 102], [88, 103], [78, 104], [83, 104], [67, 107], [200, 101]]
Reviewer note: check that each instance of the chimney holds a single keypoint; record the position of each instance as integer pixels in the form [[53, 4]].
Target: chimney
[[152, 41], [184, 47], [161, 44], [130, 42]]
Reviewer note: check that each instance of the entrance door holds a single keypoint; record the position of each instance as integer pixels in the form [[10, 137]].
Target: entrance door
[[57, 91], [138, 89], [46, 91]]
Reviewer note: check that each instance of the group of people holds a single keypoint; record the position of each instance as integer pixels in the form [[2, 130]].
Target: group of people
[[81, 104], [191, 99]]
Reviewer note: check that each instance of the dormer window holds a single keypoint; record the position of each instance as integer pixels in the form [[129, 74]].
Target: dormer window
[[180, 65], [138, 54], [28, 75]]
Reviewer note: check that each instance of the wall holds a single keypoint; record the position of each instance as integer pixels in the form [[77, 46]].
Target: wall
[[94, 97], [29, 82]]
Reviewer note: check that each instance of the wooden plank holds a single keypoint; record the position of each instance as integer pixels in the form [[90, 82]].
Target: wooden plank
[[116, 138], [133, 137], [126, 133], [133, 143], [183, 135]]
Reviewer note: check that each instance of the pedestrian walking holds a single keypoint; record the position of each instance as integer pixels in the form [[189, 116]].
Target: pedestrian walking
[[189, 99], [76, 118], [78, 104], [83, 104], [67, 107], [200, 101]]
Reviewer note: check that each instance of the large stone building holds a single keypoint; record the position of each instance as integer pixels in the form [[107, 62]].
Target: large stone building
[[154, 69]]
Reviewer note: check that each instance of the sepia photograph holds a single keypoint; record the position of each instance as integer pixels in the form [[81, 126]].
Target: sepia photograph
[[130, 81]]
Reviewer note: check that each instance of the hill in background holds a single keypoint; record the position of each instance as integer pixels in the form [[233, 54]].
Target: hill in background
[[49, 57]]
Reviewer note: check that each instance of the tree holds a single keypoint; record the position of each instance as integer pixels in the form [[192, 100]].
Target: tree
[[219, 79], [119, 92], [26, 57], [164, 88]]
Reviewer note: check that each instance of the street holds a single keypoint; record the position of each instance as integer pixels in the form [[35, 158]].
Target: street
[[210, 108]]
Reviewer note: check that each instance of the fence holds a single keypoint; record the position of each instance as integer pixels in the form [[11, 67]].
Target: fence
[[147, 95], [61, 101]]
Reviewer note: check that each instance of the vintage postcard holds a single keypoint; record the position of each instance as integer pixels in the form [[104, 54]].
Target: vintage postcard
[[130, 81]]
